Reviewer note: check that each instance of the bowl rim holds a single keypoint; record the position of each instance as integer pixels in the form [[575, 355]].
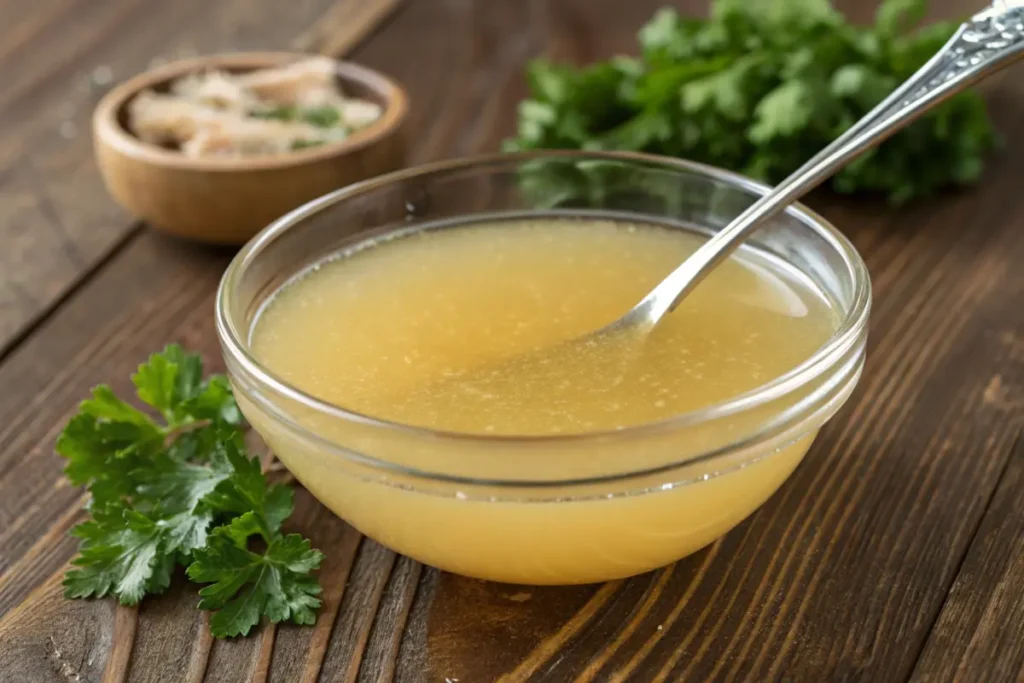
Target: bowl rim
[[108, 130], [852, 327]]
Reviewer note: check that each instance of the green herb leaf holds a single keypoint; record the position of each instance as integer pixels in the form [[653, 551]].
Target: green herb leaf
[[306, 144], [213, 402], [782, 112], [322, 117], [167, 380], [282, 113], [123, 553], [170, 483], [246, 491], [894, 17], [105, 441], [246, 586]]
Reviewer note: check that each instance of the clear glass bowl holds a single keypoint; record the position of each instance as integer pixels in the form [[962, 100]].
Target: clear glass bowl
[[560, 509]]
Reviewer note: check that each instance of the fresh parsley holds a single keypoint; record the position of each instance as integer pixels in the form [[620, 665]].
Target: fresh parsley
[[759, 87], [246, 585], [321, 117], [306, 144], [285, 112], [182, 490], [324, 116]]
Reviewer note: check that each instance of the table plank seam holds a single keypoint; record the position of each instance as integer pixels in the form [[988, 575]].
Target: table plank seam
[[372, 18], [77, 56], [1004, 468], [33, 324]]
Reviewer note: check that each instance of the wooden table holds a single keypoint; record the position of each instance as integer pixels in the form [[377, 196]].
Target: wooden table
[[896, 552]]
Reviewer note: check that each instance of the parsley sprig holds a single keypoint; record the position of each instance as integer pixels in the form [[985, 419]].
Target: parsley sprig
[[759, 87], [182, 490]]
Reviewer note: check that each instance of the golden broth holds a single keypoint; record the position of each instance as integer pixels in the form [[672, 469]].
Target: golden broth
[[462, 330]]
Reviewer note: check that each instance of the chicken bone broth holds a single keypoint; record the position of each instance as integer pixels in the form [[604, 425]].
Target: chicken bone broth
[[463, 329]]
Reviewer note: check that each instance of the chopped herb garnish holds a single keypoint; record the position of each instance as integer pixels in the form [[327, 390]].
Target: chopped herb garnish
[[304, 144], [322, 117], [282, 113]]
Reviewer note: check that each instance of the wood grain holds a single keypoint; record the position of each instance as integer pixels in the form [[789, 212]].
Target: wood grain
[[344, 26], [979, 632], [126, 623], [50, 641], [893, 553]]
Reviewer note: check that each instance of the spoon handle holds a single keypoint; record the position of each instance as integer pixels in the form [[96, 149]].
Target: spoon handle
[[989, 41]]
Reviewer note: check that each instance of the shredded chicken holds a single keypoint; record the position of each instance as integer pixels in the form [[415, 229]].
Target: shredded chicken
[[292, 83], [269, 111], [215, 89], [165, 119], [253, 136], [360, 113]]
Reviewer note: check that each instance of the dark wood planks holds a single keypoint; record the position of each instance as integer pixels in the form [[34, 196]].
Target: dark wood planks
[[979, 633], [55, 642], [840, 577]]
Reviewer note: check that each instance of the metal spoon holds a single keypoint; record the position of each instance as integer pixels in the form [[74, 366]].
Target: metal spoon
[[989, 41]]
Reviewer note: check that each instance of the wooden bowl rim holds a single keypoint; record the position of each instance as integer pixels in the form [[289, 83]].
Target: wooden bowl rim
[[109, 131]]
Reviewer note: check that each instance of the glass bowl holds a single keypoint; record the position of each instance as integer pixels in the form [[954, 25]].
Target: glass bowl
[[563, 509]]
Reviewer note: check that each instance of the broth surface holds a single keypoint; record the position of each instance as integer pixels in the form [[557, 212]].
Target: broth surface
[[462, 329]]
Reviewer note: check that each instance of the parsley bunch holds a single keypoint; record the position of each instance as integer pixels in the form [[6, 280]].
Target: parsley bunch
[[759, 88], [183, 491]]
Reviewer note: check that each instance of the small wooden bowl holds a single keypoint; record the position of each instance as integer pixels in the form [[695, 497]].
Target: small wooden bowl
[[226, 201]]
